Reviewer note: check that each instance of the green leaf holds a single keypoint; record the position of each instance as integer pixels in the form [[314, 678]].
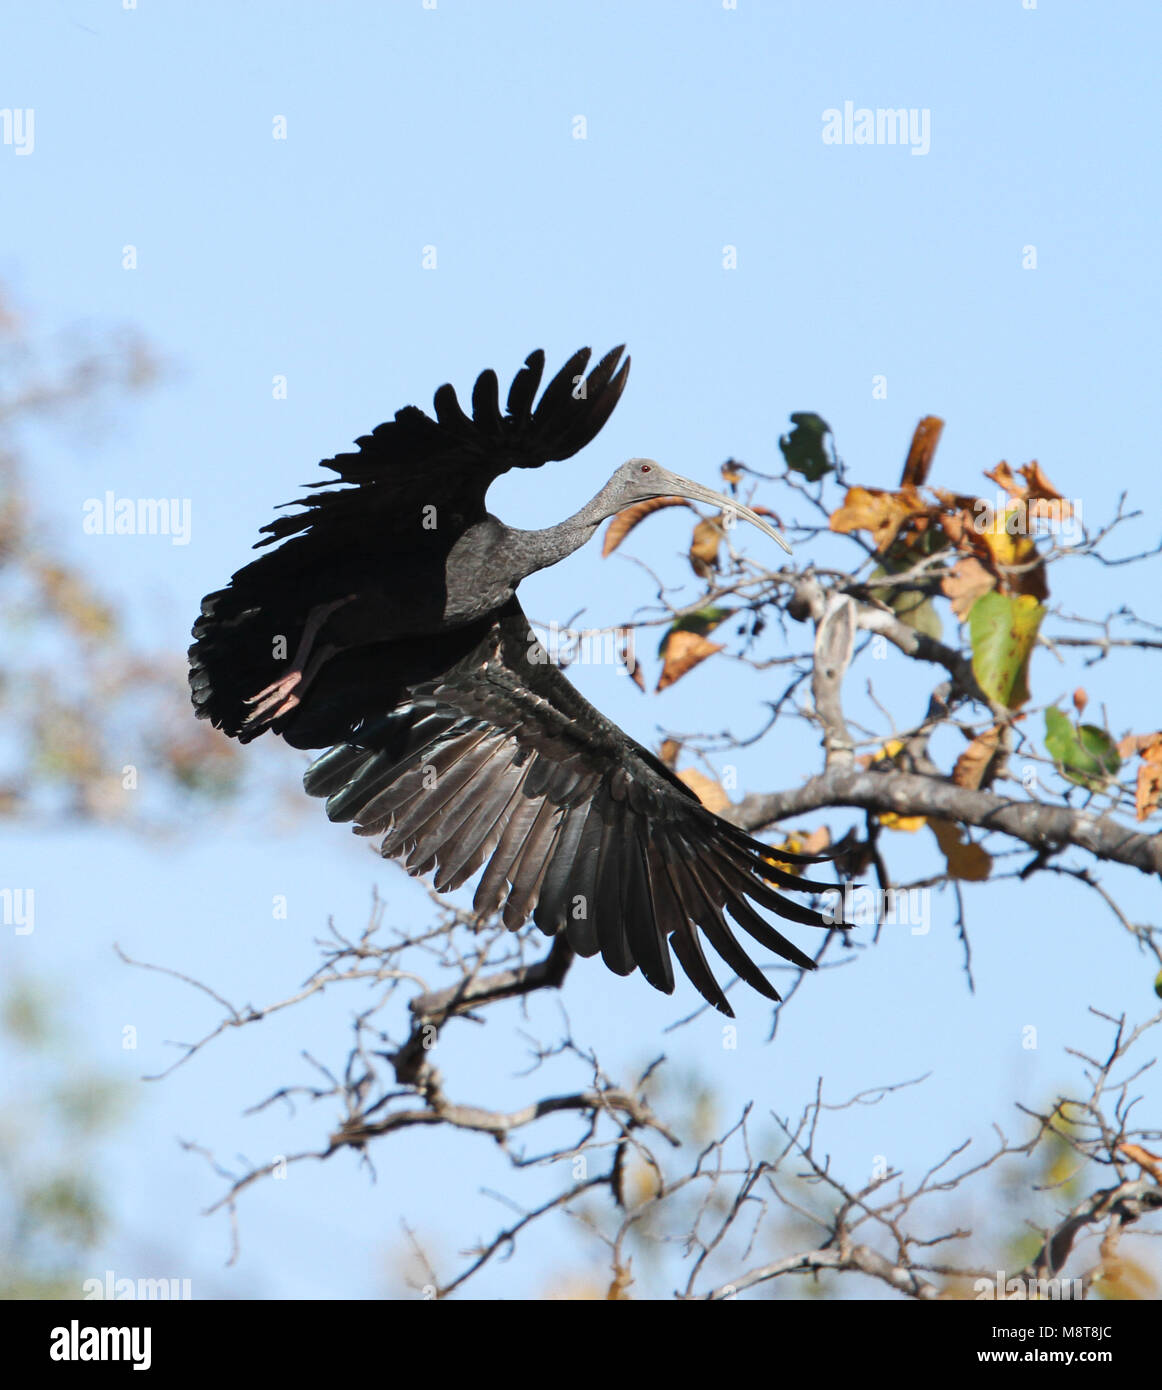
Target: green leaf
[[910, 606], [1003, 628], [1084, 754], [919, 612], [803, 447]]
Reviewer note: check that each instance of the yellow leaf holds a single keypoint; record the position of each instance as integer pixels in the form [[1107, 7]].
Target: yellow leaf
[[1008, 547], [805, 842], [890, 819], [894, 822], [884, 754]]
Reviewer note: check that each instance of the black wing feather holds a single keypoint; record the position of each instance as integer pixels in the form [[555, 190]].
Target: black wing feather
[[524, 386], [574, 823]]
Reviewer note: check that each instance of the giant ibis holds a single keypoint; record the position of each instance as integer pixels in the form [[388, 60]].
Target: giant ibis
[[386, 628]]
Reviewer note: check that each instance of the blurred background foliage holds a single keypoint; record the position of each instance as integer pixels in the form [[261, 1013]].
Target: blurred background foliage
[[72, 684], [56, 1111]]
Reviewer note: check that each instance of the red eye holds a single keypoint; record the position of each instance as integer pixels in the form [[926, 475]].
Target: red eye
[[645, 468]]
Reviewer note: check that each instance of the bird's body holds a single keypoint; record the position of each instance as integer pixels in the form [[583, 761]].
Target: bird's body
[[386, 627]]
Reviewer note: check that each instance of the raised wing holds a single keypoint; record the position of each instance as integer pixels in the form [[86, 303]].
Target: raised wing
[[501, 764], [368, 557], [449, 462]]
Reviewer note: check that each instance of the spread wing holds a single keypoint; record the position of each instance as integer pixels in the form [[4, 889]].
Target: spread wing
[[501, 764], [450, 462], [371, 539]]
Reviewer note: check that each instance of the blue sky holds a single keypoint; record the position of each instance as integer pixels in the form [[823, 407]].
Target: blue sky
[[302, 257]]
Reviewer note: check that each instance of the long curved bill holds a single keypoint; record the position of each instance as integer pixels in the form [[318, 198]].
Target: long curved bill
[[695, 492]]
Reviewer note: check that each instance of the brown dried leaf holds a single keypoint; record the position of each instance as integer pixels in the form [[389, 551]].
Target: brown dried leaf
[[1143, 1158], [880, 512], [1148, 791], [1049, 509], [923, 448], [954, 501], [1080, 700], [704, 548], [1002, 475], [975, 767], [1036, 491], [959, 521], [966, 860], [669, 751], [624, 522], [1133, 744], [629, 660], [1040, 490], [706, 789], [683, 651], [813, 841], [965, 582], [731, 472], [954, 526]]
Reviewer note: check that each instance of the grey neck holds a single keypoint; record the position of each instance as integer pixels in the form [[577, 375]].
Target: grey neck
[[529, 551]]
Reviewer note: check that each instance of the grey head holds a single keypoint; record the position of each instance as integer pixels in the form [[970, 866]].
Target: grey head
[[640, 480]]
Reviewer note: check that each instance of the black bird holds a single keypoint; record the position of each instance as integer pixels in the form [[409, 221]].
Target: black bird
[[387, 625]]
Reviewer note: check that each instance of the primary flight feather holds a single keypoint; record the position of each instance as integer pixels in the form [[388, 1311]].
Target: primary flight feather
[[385, 627]]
